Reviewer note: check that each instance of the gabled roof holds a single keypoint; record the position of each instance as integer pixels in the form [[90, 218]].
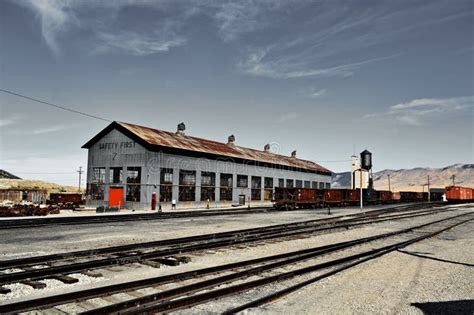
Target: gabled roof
[[157, 140]]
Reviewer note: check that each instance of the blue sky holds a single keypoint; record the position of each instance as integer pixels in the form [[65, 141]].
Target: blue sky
[[321, 77]]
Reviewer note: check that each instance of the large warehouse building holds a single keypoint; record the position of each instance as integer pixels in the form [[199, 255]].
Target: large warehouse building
[[128, 164]]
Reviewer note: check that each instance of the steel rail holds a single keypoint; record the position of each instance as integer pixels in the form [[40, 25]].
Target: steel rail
[[138, 284], [14, 263], [37, 274], [201, 298], [279, 294], [100, 219]]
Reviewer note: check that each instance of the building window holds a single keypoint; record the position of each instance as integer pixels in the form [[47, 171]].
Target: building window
[[166, 184], [281, 182], [134, 177], [268, 191], [328, 185], [98, 175], [95, 191], [208, 186], [299, 184], [256, 193], [307, 184], [187, 185], [289, 183], [226, 187], [115, 175], [242, 181], [321, 185], [166, 176], [314, 185]]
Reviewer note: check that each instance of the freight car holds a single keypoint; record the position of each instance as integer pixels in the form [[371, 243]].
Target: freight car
[[292, 198], [413, 196], [459, 194], [66, 200]]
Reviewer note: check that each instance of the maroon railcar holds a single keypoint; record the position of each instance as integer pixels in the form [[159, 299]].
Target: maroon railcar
[[334, 197], [66, 199]]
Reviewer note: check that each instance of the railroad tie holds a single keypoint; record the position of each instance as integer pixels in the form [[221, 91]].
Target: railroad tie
[[151, 263], [92, 274], [65, 279], [4, 290], [34, 284], [168, 261]]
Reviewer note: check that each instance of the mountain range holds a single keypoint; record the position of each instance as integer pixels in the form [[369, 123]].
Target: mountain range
[[414, 179]]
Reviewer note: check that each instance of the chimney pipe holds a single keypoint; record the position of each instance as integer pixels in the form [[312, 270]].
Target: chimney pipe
[[266, 148], [293, 154], [231, 140], [181, 129]]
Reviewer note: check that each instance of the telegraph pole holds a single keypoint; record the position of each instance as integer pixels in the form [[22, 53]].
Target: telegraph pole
[[80, 171], [429, 193], [453, 177], [389, 183]]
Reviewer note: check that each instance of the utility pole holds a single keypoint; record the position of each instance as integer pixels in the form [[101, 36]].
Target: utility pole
[[80, 171], [389, 183], [453, 177], [429, 193]]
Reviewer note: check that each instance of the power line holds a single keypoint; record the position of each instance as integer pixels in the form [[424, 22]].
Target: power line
[[54, 105], [34, 173]]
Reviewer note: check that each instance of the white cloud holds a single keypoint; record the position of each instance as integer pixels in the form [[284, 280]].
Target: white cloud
[[287, 117], [50, 129], [109, 31], [136, 44], [54, 17], [418, 111], [8, 122], [283, 68], [317, 93]]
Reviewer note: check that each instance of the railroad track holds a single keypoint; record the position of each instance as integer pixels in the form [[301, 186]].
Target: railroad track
[[226, 280], [58, 265], [110, 218], [19, 223]]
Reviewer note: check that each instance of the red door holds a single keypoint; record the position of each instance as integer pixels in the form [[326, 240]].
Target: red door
[[116, 197]]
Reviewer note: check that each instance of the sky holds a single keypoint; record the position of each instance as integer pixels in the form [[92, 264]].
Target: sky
[[325, 78]]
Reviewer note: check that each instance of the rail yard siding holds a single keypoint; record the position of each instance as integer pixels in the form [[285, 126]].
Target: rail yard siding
[[117, 150]]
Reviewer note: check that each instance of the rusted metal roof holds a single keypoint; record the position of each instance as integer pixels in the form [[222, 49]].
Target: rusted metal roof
[[161, 138]]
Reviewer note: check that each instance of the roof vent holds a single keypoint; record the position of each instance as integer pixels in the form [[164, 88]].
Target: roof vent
[[231, 140], [181, 129], [293, 154], [266, 148]]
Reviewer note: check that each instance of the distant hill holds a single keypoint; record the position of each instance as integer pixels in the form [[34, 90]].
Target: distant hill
[[413, 179], [34, 184], [5, 174]]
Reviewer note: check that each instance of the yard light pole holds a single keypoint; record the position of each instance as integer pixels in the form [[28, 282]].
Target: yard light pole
[[353, 176]]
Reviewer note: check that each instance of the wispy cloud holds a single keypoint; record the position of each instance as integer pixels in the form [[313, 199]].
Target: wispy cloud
[[8, 121], [136, 44], [50, 129], [287, 117], [109, 31], [416, 112], [312, 92]]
